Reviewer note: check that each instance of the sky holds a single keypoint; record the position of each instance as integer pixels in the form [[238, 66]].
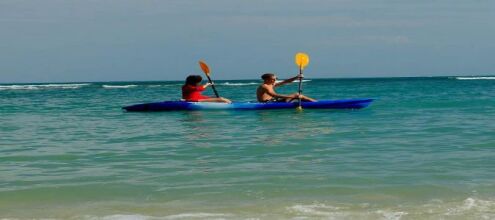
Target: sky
[[124, 40]]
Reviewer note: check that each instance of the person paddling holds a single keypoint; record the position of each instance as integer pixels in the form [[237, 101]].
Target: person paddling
[[191, 91], [266, 91]]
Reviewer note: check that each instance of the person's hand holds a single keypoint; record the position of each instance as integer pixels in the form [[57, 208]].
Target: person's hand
[[208, 84]]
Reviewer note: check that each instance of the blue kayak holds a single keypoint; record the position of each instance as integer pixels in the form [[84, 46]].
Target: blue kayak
[[182, 105]]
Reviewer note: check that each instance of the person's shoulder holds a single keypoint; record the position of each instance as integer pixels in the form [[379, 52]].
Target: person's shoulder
[[266, 86]]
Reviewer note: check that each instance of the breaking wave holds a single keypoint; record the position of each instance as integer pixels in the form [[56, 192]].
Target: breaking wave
[[469, 208]]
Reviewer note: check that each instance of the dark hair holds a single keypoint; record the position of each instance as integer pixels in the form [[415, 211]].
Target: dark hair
[[193, 80], [267, 76]]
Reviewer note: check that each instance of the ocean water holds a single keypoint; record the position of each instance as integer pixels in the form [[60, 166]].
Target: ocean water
[[425, 149]]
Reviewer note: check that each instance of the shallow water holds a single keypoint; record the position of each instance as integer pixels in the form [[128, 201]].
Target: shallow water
[[423, 150]]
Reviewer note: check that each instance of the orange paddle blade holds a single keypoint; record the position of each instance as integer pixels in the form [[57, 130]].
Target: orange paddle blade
[[204, 67]]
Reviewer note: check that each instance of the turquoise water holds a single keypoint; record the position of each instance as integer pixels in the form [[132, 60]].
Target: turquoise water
[[425, 149]]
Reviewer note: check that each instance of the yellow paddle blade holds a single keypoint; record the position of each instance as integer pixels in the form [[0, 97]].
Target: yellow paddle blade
[[204, 67], [302, 60], [299, 109]]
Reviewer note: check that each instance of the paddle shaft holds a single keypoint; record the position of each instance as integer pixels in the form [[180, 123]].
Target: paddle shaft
[[212, 86], [300, 85]]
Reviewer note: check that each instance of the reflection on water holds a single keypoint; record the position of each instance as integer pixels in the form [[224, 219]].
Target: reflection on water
[[285, 125], [197, 127], [243, 128], [192, 116]]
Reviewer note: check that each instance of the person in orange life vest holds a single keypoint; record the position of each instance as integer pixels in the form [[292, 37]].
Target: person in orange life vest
[[191, 91]]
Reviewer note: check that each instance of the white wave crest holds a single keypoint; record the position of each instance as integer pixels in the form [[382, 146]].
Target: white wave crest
[[471, 205], [238, 84], [123, 217], [470, 208], [163, 85], [255, 83], [295, 81], [200, 215], [477, 78], [333, 212], [43, 86], [314, 209], [118, 86]]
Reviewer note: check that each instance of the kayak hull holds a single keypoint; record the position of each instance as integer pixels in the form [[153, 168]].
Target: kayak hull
[[191, 106]]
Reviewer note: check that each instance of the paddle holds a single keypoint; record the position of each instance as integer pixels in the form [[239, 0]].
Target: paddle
[[302, 61], [206, 70]]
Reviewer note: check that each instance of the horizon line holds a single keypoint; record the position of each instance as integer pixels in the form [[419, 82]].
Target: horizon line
[[356, 77]]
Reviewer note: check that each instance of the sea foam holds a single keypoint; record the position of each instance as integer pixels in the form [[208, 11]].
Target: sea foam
[[198, 215], [469, 208]]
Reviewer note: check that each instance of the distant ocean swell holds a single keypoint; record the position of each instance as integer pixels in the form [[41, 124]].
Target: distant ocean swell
[[477, 78], [177, 85], [253, 83], [107, 86], [124, 86], [73, 86], [44, 86], [238, 84], [118, 86]]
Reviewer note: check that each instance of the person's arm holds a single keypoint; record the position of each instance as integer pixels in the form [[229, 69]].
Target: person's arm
[[272, 93], [299, 76]]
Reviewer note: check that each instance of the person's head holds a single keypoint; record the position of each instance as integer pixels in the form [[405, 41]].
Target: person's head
[[269, 78], [193, 80]]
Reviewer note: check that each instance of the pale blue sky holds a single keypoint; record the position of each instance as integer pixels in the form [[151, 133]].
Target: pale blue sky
[[66, 40]]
